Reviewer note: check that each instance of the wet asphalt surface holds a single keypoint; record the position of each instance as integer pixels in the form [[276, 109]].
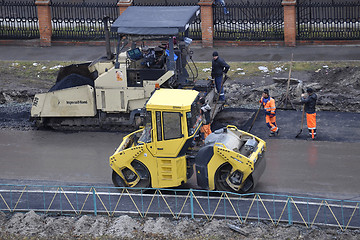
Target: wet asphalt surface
[[327, 167]]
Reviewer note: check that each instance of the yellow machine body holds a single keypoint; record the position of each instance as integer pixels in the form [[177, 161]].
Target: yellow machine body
[[160, 154], [166, 151]]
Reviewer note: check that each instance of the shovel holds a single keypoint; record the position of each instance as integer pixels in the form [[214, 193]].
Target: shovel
[[257, 113], [302, 121], [218, 94]]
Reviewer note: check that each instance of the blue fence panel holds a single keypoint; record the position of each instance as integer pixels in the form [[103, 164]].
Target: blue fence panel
[[175, 203]]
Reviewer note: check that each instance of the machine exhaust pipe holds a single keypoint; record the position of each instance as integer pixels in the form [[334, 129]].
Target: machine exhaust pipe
[[107, 37]]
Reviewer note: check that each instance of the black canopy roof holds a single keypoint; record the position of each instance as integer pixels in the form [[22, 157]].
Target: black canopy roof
[[155, 20]]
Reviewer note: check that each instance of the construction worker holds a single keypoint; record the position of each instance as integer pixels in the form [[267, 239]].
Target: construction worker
[[309, 99], [270, 110], [219, 67], [149, 56], [205, 111]]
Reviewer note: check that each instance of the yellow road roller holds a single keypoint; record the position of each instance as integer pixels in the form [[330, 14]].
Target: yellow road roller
[[167, 151]]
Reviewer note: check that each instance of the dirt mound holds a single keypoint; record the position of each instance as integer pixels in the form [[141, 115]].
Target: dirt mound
[[34, 226], [338, 89], [123, 227], [19, 96]]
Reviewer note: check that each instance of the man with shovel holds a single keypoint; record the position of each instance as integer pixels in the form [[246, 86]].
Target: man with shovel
[[309, 99], [269, 106]]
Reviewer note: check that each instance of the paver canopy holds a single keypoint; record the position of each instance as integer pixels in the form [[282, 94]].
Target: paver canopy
[[155, 20]]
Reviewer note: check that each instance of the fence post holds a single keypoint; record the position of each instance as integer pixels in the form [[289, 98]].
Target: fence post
[[290, 221], [44, 16], [289, 22], [94, 199], [207, 23], [123, 5], [192, 203]]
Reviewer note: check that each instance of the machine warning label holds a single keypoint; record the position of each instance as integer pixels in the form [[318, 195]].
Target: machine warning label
[[76, 102]]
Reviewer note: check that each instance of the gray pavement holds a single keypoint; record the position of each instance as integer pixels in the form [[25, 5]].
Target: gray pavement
[[294, 166], [230, 54]]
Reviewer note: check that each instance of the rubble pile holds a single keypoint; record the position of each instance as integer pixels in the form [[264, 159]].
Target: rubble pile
[[31, 225], [338, 89]]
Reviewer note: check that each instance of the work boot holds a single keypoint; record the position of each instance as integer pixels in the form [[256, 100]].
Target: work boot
[[311, 138], [277, 132], [272, 134]]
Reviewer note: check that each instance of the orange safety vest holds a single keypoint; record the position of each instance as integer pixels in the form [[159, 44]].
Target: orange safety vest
[[269, 105]]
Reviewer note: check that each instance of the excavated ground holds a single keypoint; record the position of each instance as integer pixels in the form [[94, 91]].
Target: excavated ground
[[338, 89], [34, 226]]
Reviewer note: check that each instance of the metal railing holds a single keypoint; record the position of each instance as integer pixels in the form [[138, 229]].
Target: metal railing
[[81, 21], [176, 203], [18, 20], [331, 20], [165, 3], [249, 21], [194, 28], [328, 20]]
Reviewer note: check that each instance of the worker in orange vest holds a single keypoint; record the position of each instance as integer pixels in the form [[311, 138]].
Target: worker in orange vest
[[270, 110], [205, 111], [309, 99]]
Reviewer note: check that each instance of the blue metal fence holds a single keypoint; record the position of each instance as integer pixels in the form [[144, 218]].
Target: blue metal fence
[[176, 203]]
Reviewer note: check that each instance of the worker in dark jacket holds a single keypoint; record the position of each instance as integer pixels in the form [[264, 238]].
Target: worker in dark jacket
[[219, 67], [309, 99], [270, 112]]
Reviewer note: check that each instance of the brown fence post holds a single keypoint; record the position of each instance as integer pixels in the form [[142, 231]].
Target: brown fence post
[[289, 22], [44, 16], [207, 22], [123, 5]]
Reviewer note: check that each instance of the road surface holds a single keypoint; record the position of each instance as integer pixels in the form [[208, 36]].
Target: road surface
[[314, 168]]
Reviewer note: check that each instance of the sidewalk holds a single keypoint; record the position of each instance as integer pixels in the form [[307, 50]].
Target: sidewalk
[[230, 54]]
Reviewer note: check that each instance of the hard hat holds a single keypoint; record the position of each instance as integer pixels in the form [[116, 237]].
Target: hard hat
[[145, 48]]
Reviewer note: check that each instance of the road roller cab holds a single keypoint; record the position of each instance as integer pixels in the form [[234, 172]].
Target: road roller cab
[[165, 152]]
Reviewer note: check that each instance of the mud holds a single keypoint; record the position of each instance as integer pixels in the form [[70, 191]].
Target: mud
[[34, 226], [338, 89]]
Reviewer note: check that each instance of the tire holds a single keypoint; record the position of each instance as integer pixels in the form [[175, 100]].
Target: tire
[[117, 180], [141, 170], [144, 174], [220, 180]]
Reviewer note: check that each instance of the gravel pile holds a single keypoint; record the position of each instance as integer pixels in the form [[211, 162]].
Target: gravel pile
[[33, 226]]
